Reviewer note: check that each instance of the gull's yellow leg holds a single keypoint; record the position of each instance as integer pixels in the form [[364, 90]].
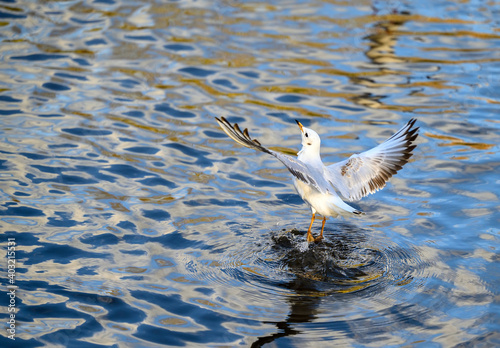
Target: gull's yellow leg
[[317, 239], [310, 237]]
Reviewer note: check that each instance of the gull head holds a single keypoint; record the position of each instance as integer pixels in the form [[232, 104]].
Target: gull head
[[310, 140]]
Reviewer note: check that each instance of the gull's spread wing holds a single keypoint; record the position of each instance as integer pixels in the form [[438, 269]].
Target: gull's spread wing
[[367, 172], [296, 167]]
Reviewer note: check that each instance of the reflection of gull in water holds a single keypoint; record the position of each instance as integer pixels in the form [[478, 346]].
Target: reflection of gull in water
[[354, 178]]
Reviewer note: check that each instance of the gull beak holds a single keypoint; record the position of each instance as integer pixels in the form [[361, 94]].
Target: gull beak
[[300, 125]]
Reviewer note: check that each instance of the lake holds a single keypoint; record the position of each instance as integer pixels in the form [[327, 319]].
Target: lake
[[130, 219]]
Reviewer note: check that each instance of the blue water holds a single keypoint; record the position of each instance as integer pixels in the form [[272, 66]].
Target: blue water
[[137, 222]]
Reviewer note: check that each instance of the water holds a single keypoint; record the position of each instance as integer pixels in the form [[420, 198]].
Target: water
[[137, 222]]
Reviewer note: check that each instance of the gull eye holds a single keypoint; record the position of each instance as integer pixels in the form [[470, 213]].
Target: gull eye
[[306, 135]]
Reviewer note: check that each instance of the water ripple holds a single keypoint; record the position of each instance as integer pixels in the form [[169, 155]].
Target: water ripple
[[344, 263]]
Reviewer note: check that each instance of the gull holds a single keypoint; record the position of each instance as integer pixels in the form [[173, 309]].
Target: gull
[[324, 188]]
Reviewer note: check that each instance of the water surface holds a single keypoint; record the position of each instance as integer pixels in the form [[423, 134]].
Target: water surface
[[139, 223]]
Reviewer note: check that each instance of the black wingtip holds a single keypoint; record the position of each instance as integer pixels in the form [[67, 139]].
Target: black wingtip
[[221, 120]]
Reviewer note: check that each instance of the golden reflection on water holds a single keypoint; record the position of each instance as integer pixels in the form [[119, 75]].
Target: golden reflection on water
[[453, 141]]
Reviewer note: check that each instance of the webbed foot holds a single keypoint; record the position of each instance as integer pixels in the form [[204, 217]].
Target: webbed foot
[[310, 237], [318, 239]]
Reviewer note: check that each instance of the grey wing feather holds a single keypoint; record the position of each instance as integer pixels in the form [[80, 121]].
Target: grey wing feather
[[368, 172], [296, 167]]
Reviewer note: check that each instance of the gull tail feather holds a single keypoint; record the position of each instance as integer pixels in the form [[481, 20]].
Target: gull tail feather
[[342, 208]]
